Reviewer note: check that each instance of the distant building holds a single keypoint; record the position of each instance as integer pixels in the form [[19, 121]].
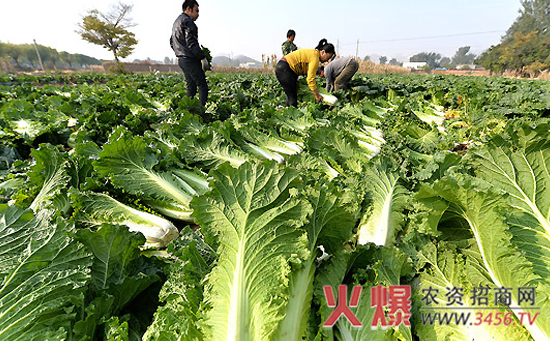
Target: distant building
[[414, 65], [249, 64], [465, 67]]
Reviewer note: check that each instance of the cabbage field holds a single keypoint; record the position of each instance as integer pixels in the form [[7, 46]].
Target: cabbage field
[[130, 212]]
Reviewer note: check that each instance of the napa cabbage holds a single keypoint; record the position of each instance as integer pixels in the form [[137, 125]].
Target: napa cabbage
[[384, 217], [129, 163], [257, 223], [95, 209], [305, 94]]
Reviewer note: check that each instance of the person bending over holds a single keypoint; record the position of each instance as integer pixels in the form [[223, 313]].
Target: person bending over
[[338, 73], [302, 62]]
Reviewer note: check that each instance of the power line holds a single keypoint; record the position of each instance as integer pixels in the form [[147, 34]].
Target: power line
[[422, 38]]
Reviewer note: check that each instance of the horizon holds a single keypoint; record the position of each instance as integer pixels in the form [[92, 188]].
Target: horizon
[[395, 29], [373, 57]]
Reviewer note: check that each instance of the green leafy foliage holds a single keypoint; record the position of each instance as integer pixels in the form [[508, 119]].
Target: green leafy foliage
[[118, 276], [183, 292], [110, 30], [150, 217], [260, 236], [43, 275]]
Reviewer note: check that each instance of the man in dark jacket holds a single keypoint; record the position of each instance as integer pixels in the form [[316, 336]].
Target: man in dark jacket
[[185, 43]]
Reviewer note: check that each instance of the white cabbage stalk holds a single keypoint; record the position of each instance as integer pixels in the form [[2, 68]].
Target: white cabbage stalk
[[64, 94], [158, 233], [329, 99], [99, 208], [329, 170], [379, 225], [26, 127], [198, 182], [370, 138], [161, 106], [434, 114], [172, 209], [293, 148], [374, 149], [322, 121], [72, 122], [269, 155], [374, 133]]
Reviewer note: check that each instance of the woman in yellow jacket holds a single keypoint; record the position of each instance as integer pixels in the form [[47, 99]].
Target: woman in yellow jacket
[[302, 62]]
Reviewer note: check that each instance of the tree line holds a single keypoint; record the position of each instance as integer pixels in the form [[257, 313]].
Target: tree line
[[25, 56], [433, 60], [462, 58], [525, 48]]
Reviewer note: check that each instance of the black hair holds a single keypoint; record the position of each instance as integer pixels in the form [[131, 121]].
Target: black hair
[[290, 33], [320, 69], [189, 3], [325, 46]]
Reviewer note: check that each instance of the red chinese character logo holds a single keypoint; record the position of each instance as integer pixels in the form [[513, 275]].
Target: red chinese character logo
[[400, 305], [397, 300], [379, 299], [342, 308]]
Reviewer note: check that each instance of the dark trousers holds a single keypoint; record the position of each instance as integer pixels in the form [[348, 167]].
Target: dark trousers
[[289, 81], [195, 78]]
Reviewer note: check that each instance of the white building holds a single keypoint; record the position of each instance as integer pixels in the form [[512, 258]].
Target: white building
[[414, 65], [247, 65], [465, 67]]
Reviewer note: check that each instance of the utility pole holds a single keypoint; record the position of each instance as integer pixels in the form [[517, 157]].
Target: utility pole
[[38, 54], [357, 49]]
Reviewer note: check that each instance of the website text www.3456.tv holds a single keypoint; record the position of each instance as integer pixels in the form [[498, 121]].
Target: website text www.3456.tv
[[489, 306], [393, 307], [471, 318]]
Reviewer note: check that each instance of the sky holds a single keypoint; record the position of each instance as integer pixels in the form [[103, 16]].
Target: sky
[[392, 28]]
